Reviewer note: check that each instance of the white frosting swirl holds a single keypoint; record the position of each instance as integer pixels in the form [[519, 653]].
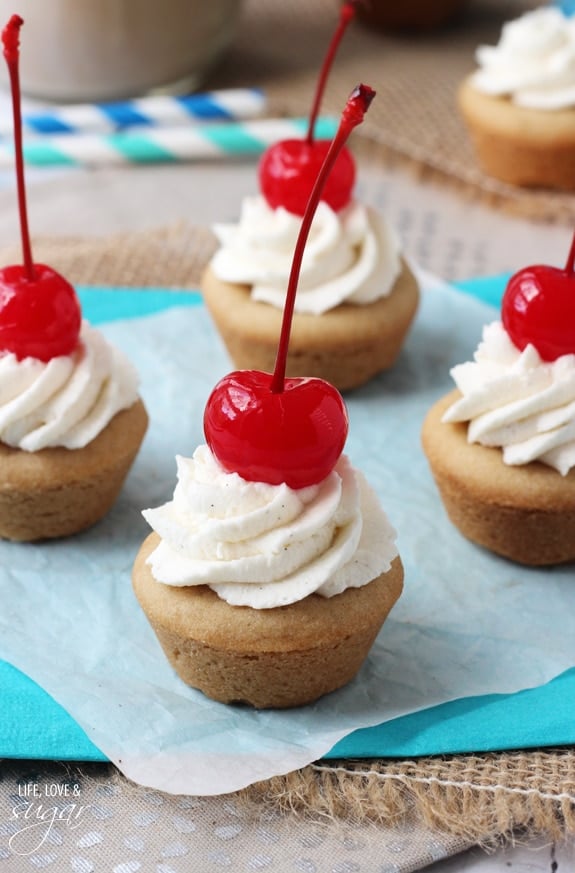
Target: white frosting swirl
[[351, 256], [265, 545], [533, 63], [66, 401], [518, 402]]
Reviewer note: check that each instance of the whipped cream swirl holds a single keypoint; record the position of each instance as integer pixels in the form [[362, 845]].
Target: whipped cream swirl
[[517, 401], [533, 63], [66, 401], [351, 256], [265, 545]]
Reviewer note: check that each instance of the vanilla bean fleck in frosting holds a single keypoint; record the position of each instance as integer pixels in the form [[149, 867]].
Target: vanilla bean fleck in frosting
[[351, 256], [68, 400], [263, 545], [518, 402]]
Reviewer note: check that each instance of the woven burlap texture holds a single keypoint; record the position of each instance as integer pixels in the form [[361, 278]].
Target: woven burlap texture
[[484, 799], [279, 48], [166, 257], [481, 798]]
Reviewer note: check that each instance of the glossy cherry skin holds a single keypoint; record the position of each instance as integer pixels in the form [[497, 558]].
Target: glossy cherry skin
[[289, 168], [295, 436], [39, 318], [539, 308]]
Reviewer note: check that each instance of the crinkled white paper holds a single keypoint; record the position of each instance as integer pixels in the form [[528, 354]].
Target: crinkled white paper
[[467, 623]]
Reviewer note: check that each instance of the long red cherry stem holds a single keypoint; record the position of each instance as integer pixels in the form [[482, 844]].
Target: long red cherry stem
[[11, 48], [570, 265], [352, 115], [347, 13]]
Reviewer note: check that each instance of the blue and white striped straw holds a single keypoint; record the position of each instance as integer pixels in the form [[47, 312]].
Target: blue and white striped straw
[[164, 144], [234, 104], [566, 6]]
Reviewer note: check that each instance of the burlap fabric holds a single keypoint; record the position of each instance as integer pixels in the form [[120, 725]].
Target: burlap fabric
[[482, 799], [279, 47], [168, 257], [478, 798]]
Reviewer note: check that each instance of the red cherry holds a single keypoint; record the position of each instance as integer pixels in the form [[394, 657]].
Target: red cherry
[[288, 171], [268, 428], [289, 168], [539, 308], [39, 318], [295, 436], [40, 314]]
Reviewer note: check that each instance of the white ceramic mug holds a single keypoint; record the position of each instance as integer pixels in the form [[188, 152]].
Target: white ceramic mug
[[87, 50]]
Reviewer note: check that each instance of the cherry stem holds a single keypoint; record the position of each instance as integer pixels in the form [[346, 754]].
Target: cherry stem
[[347, 13], [11, 46], [352, 115], [570, 265]]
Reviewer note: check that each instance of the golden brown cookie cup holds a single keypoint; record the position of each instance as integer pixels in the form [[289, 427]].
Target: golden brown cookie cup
[[57, 492], [523, 147], [269, 658], [524, 513], [346, 346]]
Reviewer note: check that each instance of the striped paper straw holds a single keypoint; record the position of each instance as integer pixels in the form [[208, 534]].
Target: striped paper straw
[[566, 6], [234, 104], [163, 144]]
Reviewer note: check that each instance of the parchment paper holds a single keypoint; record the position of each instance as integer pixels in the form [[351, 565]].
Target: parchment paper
[[468, 622]]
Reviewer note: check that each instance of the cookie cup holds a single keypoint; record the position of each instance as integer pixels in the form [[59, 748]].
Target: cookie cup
[[524, 147], [269, 658], [346, 346], [524, 513], [57, 492]]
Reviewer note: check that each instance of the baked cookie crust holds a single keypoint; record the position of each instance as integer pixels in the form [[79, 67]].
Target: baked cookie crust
[[269, 658], [346, 346], [524, 513], [56, 492], [524, 147]]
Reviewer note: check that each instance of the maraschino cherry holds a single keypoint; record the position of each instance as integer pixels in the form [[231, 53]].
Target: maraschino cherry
[[266, 427], [539, 308], [289, 168], [40, 315]]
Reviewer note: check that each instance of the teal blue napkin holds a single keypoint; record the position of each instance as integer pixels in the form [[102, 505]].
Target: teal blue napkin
[[33, 725], [488, 289]]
